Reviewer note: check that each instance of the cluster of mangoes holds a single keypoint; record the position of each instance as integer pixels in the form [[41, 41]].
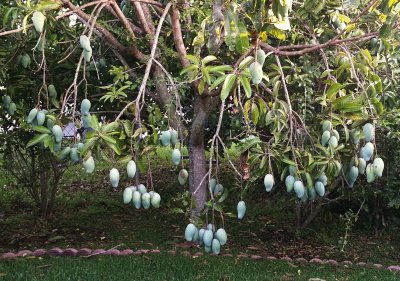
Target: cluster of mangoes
[[73, 152], [130, 170], [24, 60], [330, 136], [141, 198], [87, 49], [216, 188], [8, 106], [366, 163], [255, 67], [85, 107], [170, 137], [209, 238]]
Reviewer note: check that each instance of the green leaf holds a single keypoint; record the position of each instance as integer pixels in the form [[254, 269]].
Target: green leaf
[[110, 127], [223, 196], [208, 59], [246, 62], [227, 86], [246, 85], [206, 76], [333, 90], [37, 139], [114, 147], [125, 159], [42, 129], [193, 59], [108, 139], [220, 68], [218, 81]]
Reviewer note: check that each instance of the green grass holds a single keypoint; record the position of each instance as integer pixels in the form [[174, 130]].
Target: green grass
[[164, 267]]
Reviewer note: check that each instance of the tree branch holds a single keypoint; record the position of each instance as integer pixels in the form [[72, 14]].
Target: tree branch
[[178, 38]]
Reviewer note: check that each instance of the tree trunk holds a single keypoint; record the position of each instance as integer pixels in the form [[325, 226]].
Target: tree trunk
[[197, 155]]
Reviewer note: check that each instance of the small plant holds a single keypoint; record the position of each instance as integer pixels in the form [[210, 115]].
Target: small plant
[[349, 218]]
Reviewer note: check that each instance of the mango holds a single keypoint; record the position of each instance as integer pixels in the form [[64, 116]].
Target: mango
[[219, 189], [85, 43], [134, 188], [26, 61], [183, 176], [65, 153], [201, 236], [215, 247], [174, 137], [74, 155], [336, 134], [378, 166], [176, 156], [52, 91], [155, 200], [85, 106], [289, 182], [146, 200], [319, 188], [189, 231], [260, 56], [370, 173], [166, 138], [127, 195], [326, 135], [292, 170], [196, 235], [207, 249], [57, 133], [241, 209], [38, 21], [137, 199], [131, 169], [114, 177], [256, 72], [12, 108], [369, 132], [367, 151], [211, 227], [312, 194], [362, 164], [353, 174], [326, 125], [323, 178], [268, 182], [89, 165], [298, 187], [87, 55], [32, 115], [213, 184], [6, 101], [333, 142], [86, 120], [221, 236], [40, 117], [208, 237], [142, 189]]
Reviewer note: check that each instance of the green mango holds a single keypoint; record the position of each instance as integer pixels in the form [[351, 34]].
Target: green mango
[[323, 178], [326, 125], [174, 137], [319, 188], [57, 146], [215, 247], [326, 135], [367, 151], [86, 120], [353, 174], [6, 101], [190, 231], [155, 200], [361, 166], [114, 177], [208, 237], [211, 227], [89, 165], [336, 134], [298, 187], [369, 132], [289, 182], [146, 200], [131, 169], [312, 194], [241, 209], [213, 184], [12, 108], [219, 189], [292, 170], [355, 136], [378, 166], [26, 61], [40, 117], [207, 249], [370, 173], [260, 56], [85, 43], [87, 55], [333, 142], [142, 189], [166, 138], [268, 182], [137, 199], [40, 45], [221, 236], [183, 176], [74, 155], [32, 115], [127, 196], [85, 106], [201, 236], [38, 21], [57, 133], [256, 72], [51, 89], [176, 156]]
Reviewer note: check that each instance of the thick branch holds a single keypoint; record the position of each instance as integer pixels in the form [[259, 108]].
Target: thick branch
[[178, 38]]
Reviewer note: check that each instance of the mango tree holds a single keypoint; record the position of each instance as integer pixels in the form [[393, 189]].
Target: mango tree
[[297, 86]]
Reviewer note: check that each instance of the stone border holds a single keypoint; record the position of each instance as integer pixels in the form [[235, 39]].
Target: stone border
[[87, 253]]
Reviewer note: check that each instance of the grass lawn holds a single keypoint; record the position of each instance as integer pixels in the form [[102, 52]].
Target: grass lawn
[[165, 267]]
